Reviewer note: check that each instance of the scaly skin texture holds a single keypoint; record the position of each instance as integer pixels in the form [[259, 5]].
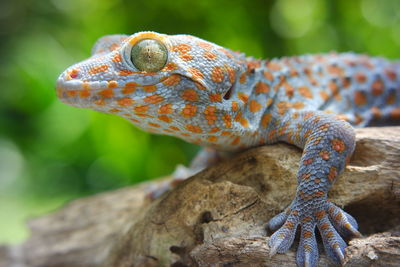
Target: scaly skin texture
[[224, 101]]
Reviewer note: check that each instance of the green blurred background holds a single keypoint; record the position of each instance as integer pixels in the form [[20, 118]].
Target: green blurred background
[[51, 153]]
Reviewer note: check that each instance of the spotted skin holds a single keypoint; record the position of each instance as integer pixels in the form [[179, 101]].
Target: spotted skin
[[220, 99]]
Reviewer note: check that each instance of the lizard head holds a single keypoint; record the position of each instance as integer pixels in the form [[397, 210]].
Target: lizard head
[[171, 84]]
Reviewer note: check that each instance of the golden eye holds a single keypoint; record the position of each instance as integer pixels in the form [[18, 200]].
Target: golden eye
[[149, 55]]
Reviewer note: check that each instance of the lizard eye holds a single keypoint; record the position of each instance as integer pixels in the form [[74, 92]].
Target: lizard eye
[[149, 55]]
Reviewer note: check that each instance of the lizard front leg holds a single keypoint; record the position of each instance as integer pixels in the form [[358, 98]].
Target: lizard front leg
[[328, 144]]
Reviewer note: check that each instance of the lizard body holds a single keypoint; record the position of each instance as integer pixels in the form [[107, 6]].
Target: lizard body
[[198, 91]]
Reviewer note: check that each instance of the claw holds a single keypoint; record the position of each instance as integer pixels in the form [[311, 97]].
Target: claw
[[307, 262], [339, 253], [274, 249]]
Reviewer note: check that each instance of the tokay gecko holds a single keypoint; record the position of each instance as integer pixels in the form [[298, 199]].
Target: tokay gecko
[[208, 95]]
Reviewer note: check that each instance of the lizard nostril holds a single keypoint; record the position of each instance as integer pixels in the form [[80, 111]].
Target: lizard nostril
[[74, 73]]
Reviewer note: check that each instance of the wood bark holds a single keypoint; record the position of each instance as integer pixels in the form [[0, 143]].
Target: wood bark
[[218, 217]]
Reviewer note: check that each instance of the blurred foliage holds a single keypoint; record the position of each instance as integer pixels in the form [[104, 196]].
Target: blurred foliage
[[51, 153]]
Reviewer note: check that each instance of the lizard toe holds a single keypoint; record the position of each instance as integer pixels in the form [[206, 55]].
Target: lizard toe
[[343, 222], [307, 253], [277, 221], [333, 243], [282, 239]]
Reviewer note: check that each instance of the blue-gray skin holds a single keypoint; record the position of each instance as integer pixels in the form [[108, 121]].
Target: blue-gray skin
[[186, 87]]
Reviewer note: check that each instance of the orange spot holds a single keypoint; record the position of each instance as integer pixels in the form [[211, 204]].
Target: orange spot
[[100, 102], [376, 112], [181, 48], [360, 77], [304, 91], [274, 66], [189, 111], [193, 128], [98, 69], [338, 145], [210, 56], [84, 93], [329, 234], [324, 155], [227, 120], [149, 88], [262, 88], [165, 109], [377, 87], [126, 101], [282, 107], [293, 73], [165, 118], [141, 109], [289, 90], [324, 226], [231, 74], [268, 76], [217, 74], [214, 130], [154, 124], [129, 88], [186, 57], [324, 95], [196, 73], [204, 45], [254, 106], [236, 141], [242, 96], [153, 99], [320, 214], [106, 93], [212, 138], [335, 70], [172, 80], [215, 97], [112, 84], [117, 58], [125, 72], [72, 93], [170, 67], [308, 161], [391, 75], [395, 114], [242, 78], [334, 89], [360, 98], [190, 95], [307, 234], [235, 106], [209, 114], [134, 120], [225, 133], [266, 119], [241, 120], [346, 82], [391, 98], [298, 105], [174, 128]]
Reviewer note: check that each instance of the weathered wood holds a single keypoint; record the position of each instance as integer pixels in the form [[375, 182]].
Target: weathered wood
[[218, 216]]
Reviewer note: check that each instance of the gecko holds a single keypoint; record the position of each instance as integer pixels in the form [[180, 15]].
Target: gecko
[[224, 101]]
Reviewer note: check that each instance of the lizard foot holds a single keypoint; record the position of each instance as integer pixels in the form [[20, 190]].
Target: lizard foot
[[332, 223]]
